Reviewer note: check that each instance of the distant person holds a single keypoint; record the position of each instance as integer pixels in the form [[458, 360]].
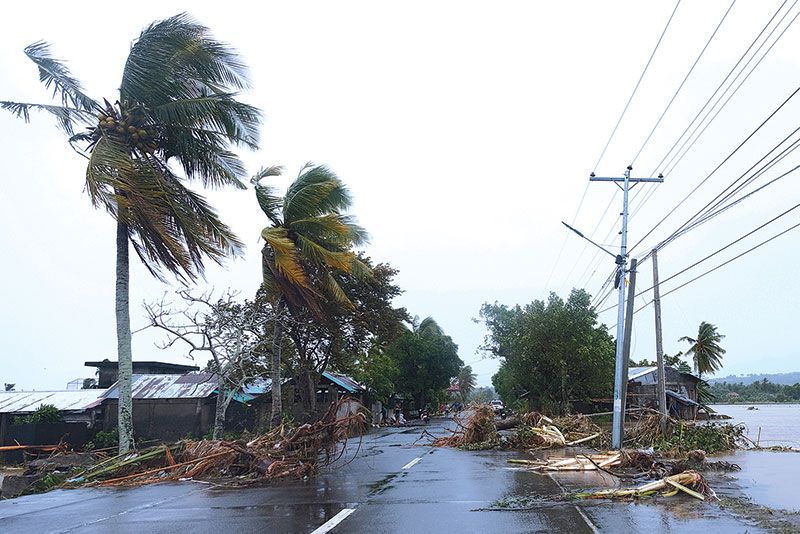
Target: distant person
[[398, 409]]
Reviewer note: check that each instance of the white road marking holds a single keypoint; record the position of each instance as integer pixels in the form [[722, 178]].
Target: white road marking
[[412, 463], [333, 521], [589, 522]]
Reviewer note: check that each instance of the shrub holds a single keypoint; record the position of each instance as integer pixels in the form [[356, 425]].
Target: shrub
[[46, 413]]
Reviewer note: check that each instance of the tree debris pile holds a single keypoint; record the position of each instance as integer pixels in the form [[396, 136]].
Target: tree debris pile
[[479, 431], [283, 452], [531, 431], [689, 482], [682, 437]]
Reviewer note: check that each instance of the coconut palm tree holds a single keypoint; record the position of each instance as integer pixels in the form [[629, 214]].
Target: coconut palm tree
[[466, 382], [705, 350], [310, 236], [177, 108]]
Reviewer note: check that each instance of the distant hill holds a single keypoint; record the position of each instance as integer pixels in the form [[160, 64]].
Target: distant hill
[[787, 379]]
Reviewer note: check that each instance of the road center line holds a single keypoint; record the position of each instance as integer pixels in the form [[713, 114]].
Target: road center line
[[333, 521], [412, 463]]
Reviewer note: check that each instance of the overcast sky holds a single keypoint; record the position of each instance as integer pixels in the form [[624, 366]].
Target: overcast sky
[[466, 132]]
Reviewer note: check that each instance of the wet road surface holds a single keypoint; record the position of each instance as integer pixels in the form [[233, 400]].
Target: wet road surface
[[391, 485]]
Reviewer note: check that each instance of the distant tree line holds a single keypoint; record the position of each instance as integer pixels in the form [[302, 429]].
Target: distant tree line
[[761, 391]]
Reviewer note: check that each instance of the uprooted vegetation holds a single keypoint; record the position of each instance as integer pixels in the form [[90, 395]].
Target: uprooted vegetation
[[528, 431], [286, 451], [681, 437], [535, 431]]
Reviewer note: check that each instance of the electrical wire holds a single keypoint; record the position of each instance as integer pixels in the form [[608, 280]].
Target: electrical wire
[[685, 78], [723, 264], [636, 87], [728, 157]]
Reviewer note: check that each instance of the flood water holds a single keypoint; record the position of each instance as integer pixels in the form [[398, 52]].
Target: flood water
[[779, 424]]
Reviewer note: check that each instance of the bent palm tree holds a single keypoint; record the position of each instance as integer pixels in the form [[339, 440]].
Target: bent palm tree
[[176, 102], [705, 350], [310, 237]]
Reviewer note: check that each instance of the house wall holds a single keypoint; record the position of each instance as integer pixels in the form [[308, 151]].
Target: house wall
[[165, 419], [642, 392]]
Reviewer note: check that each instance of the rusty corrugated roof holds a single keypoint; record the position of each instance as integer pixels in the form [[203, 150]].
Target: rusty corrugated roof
[[187, 386]]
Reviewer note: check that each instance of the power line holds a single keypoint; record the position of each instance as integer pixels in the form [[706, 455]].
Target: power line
[[721, 85], [705, 213], [672, 165], [711, 255], [673, 162], [728, 157], [722, 264], [636, 87], [678, 90]]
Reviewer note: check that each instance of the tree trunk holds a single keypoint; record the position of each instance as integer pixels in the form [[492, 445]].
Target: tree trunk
[[277, 406], [124, 354], [219, 413], [308, 392]]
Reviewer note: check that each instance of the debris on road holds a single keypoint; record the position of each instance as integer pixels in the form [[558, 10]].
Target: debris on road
[[283, 452], [691, 483], [530, 431]]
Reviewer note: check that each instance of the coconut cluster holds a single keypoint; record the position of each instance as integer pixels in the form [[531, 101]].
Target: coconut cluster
[[129, 129]]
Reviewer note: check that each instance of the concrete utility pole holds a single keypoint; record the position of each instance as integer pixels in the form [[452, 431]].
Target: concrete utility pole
[[626, 339], [617, 427], [662, 380]]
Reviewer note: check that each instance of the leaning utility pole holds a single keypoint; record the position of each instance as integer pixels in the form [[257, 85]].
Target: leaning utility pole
[[662, 384], [626, 338], [617, 427]]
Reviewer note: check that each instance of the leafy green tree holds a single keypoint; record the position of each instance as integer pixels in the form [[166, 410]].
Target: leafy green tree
[[378, 372], [346, 333], [427, 360], [551, 353], [677, 361], [309, 239], [466, 382], [177, 108], [705, 349]]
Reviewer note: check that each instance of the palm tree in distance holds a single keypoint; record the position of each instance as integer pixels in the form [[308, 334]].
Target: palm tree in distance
[[310, 236], [705, 350], [177, 103]]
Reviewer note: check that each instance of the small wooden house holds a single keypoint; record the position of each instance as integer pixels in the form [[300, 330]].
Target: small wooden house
[[681, 388]]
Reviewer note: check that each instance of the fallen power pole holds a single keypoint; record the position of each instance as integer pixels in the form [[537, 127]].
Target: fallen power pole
[[662, 384], [617, 427]]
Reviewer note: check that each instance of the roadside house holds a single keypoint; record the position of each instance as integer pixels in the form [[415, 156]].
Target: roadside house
[[681, 389]]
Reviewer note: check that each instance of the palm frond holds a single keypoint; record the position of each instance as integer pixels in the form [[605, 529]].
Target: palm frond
[[175, 57], [269, 200], [172, 226], [286, 258], [108, 163], [54, 74], [335, 291], [360, 270], [66, 117], [220, 113], [319, 255], [316, 191]]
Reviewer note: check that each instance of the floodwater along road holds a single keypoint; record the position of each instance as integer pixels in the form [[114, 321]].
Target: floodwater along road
[[386, 483]]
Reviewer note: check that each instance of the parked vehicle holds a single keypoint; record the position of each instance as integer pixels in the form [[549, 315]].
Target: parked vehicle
[[498, 406]]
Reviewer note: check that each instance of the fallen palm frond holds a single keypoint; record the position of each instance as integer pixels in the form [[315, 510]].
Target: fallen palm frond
[[591, 462], [283, 452], [690, 482]]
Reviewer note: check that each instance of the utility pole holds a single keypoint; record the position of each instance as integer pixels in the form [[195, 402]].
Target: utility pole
[[662, 381], [617, 427], [626, 338]]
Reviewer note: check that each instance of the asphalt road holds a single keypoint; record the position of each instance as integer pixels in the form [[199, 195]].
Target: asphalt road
[[390, 485]]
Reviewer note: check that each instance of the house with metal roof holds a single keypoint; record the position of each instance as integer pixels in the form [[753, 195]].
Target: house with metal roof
[[681, 389]]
